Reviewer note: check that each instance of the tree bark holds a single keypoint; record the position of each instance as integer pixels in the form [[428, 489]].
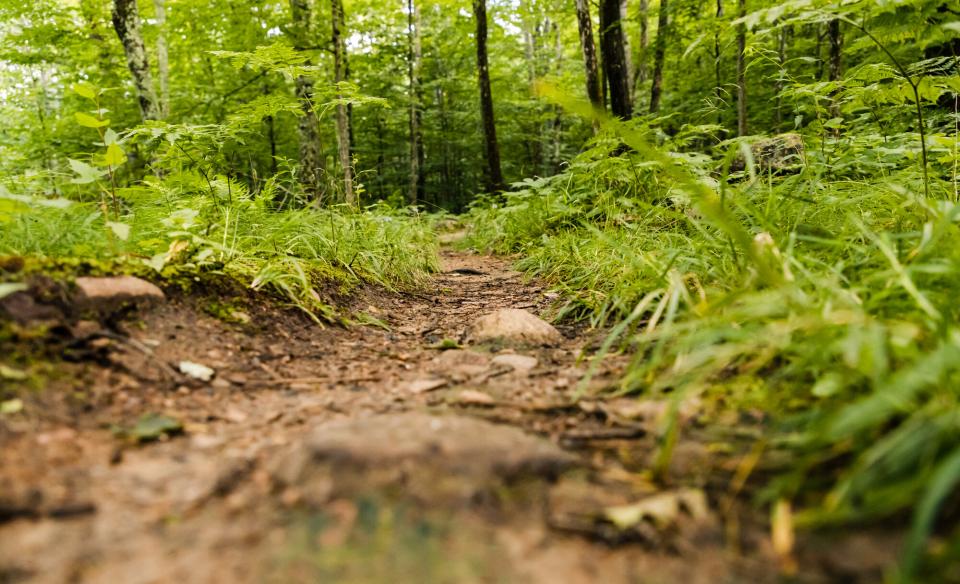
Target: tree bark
[[271, 134], [531, 36], [659, 52], [312, 168], [778, 86], [836, 62], [126, 21], [416, 133], [343, 123], [742, 71], [627, 50], [615, 58], [640, 68], [589, 49], [717, 53], [557, 111], [495, 174], [163, 61]]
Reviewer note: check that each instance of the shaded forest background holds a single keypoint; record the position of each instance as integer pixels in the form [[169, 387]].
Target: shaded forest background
[[416, 63]]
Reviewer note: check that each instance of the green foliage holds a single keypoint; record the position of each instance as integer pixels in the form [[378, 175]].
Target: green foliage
[[832, 298], [293, 254]]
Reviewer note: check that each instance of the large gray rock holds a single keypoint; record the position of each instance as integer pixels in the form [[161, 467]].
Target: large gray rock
[[428, 456], [109, 293], [513, 326]]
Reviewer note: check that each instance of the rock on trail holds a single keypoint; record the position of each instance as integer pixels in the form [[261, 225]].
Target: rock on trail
[[107, 294], [434, 457], [513, 326]]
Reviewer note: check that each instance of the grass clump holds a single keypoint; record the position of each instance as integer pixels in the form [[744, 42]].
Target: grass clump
[[170, 232], [831, 295]]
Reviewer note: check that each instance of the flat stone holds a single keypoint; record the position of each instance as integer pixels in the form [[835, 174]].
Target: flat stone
[[105, 294], [513, 326], [430, 456], [425, 385], [460, 365], [476, 398], [516, 362]]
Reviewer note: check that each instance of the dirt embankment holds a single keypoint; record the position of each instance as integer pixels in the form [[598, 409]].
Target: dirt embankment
[[416, 448]]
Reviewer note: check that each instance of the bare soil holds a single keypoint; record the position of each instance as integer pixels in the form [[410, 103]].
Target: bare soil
[[373, 453]]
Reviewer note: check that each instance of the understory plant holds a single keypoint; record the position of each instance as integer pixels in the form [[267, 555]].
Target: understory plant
[[828, 299]]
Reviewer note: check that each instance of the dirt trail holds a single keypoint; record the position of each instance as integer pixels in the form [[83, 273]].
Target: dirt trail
[[308, 457]]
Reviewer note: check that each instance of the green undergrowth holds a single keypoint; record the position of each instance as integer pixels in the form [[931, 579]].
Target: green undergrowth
[[830, 291], [305, 257]]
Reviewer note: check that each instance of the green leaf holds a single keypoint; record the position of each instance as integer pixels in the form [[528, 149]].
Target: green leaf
[[941, 486], [8, 288], [121, 230], [11, 406], [85, 173], [157, 261], [88, 121], [85, 90], [110, 137], [115, 155], [12, 374], [153, 426]]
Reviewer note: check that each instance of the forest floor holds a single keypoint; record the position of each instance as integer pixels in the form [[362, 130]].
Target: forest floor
[[397, 453]]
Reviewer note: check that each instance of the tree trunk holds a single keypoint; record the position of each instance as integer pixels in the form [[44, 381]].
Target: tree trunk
[[742, 71], [495, 174], [659, 52], [311, 157], [557, 111], [778, 86], [585, 24], [615, 59], [533, 146], [343, 123], [126, 21], [640, 70], [627, 50], [717, 53], [416, 133], [163, 62], [271, 135], [836, 62]]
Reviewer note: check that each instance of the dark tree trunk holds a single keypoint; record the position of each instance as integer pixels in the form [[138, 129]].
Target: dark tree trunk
[[557, 117], [615, 66], [585, 24], [308, 128], [495, 174], [717, 53], [659, 52], [338, 19], [836, 62], [742, 71], [126, 21], [271, 135]]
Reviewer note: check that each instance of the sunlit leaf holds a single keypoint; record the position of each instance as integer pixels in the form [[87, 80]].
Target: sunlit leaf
[[114, 155], [85, 173], [85, 90], [88, 121], [121, 230]]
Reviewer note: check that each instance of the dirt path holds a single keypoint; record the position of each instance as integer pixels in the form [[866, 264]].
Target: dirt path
[[310, 457]]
